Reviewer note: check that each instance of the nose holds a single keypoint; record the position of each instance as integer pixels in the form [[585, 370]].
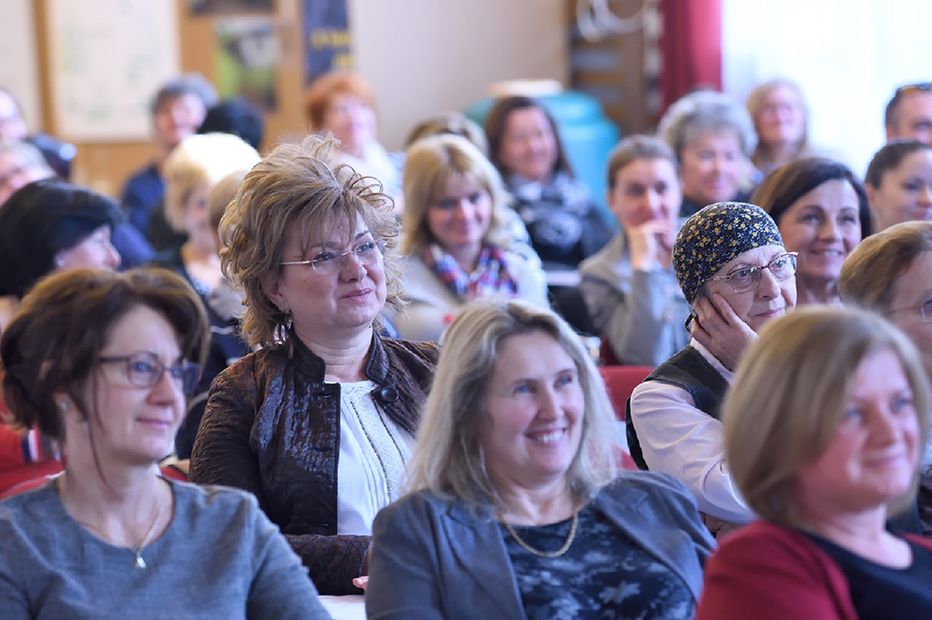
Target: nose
[[351, 268], [464, 208], [769, 286], [883, 427], [925, 197], [653, 201], [548, 405], [166, 389], [829, 229]]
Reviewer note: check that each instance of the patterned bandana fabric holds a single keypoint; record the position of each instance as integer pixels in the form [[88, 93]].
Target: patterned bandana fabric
[[716, 234], [489, 278]]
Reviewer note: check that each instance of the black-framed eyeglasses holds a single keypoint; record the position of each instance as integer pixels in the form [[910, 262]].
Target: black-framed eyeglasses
[[924, 310], [145, 370], [744, 279], [328, 262]]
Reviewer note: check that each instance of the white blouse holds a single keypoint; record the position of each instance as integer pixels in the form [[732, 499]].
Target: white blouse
[[374, 452]]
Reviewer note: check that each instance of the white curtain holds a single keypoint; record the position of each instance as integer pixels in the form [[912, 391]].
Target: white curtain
[[848, 56]]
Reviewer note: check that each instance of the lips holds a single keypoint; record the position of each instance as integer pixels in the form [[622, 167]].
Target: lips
[[155, 422], [828, 252], [772, 313], [547, 436], [358, 294]]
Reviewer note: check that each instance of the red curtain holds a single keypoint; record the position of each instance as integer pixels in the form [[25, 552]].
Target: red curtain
[[691, 47]]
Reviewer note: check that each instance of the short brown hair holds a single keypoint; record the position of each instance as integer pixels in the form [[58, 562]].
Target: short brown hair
[[63, 323], [634, 148], [318, 95], [295, 189], [788, 398], [869, 274]]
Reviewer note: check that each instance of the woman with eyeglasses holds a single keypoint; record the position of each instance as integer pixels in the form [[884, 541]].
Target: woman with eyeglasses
[[100, 362], [457, 240], [891, 272], [319, 424], [736, 274]]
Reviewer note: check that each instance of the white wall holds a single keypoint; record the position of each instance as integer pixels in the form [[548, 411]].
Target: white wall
[[847, 55], [426, 56], [19, 71]]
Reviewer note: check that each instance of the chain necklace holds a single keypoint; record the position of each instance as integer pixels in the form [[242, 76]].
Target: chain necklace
[[546, 554], [139, 561]]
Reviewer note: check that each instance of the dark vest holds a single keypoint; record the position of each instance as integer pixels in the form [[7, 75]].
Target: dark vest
[[687, 369]]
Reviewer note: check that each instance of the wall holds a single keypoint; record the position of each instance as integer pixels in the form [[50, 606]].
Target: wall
[[847, 55], [426, 56], [421, 56]]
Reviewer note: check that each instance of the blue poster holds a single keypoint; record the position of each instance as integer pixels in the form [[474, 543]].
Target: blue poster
[[326, 37]]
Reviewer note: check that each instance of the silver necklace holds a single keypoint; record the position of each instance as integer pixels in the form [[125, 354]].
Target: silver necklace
[[546, 554], [141, 563]]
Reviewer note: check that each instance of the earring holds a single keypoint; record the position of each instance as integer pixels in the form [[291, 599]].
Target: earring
[[63, 406], [59, 263]]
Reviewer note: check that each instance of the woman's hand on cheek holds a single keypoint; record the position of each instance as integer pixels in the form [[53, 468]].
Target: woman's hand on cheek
[[720, 330]]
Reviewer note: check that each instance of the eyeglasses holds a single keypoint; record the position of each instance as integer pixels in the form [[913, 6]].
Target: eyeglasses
[[924, 310], [145, 370], [909, 89], [745, 279], [327, 263]]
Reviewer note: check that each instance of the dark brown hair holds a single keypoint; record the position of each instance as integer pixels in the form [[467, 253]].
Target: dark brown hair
[[497, 120], [888, 158], [52, 344], [791, 181]]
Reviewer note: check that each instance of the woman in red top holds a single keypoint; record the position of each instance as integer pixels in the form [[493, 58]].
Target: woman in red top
[[823, 431]]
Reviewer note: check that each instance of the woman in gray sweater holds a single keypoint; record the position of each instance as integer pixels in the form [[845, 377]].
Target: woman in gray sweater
[[100, 362]]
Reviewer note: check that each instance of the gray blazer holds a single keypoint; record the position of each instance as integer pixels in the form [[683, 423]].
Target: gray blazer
[[434, 558]]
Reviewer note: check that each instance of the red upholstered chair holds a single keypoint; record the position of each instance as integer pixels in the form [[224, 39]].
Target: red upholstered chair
[[169, 471], [620, 381], [14, 477]]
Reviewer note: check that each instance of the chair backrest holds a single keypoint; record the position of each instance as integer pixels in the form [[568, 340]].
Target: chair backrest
[[620, 382], [51, 468]]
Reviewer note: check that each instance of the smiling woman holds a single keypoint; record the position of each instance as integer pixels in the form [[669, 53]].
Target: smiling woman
[[318, 423], [515, 510], [822, 212], [459, 237], [823, 431], [100, 362]]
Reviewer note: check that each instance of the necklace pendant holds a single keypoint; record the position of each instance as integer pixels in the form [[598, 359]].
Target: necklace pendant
[[140, 563]]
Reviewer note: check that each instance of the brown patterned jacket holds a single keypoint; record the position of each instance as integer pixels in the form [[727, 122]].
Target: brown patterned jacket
[[272, 427]]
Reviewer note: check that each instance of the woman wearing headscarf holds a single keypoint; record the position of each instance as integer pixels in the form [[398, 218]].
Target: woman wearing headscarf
[[736, 274]]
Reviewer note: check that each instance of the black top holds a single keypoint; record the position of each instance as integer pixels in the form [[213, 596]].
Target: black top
[[603, 574], [882, 592], [687, 369]]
